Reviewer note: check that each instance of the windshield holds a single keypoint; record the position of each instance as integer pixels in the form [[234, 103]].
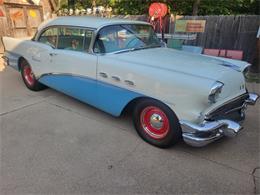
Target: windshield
[[128, 37]]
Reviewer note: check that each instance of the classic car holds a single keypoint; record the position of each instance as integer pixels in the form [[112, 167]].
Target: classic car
[[120, 65]]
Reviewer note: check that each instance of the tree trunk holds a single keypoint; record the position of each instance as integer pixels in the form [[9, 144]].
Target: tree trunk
[[71, 4], [195, 8], [93, 3]]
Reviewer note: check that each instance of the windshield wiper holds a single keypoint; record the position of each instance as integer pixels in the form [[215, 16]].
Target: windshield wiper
[[136, 48]]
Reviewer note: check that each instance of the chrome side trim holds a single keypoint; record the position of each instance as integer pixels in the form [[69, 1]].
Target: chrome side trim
[[64, 74], [94, 79]]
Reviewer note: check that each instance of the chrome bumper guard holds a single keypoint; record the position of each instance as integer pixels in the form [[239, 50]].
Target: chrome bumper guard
[[251, 100], [209, 131]]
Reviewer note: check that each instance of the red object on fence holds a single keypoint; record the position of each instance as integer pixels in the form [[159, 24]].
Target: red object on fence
[[211, 52], [233, 54], [158, 10], [1, 13], [222, 53]]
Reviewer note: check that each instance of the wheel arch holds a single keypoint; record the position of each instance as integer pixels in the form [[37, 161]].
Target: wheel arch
[[132, 103], [19, 62]]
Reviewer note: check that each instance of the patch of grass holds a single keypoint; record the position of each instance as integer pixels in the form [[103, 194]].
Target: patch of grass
[[252, 77]]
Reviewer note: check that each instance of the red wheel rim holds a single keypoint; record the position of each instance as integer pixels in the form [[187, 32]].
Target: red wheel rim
[[28, 75], [154, 122]]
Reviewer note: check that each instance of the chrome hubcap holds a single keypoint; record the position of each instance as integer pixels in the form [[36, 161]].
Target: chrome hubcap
[[156, 121]]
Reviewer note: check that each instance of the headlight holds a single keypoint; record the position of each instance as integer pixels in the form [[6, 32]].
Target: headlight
[[215, 91]]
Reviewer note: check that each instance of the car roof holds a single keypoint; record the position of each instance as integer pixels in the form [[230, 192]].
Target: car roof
[[86, 21]]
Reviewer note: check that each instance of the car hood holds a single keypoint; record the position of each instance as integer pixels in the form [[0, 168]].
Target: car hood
[[170, 59]]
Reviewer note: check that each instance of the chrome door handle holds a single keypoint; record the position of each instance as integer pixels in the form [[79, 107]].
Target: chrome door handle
[[102, 74]]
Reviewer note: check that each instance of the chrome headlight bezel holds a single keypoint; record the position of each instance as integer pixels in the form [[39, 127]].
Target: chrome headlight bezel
[[215, 91]]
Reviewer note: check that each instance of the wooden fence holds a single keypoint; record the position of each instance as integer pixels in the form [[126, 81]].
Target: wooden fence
[[229, 32], [222, 32], [19, 20]]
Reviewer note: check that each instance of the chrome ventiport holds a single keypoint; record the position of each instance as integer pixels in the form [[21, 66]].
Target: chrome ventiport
[[102, 74]]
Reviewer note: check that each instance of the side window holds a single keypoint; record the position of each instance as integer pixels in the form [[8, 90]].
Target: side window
[[116, 38], [49, 37], [124, 37], [107, 40], [74, 39], [88, 38]]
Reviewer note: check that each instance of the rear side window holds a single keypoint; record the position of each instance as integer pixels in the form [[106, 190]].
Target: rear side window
[[49, 37], [74, 39]]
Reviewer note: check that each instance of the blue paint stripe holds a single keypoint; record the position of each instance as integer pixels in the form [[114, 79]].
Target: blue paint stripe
[[109, 98]]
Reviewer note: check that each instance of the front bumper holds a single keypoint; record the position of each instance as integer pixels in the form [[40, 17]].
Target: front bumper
[[216, 126]]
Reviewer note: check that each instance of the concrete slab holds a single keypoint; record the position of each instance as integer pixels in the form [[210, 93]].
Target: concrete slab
[[51, 143], [257, 186], [47, 147], [124, 122], [52, 150], [241, 152], [162, 171], [14, 94], [257, 172]]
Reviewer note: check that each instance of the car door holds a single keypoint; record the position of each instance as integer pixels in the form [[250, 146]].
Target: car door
[[73, 68], [115, 87]]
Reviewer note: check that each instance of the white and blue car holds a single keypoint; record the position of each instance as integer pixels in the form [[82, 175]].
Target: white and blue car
[[117, 65]]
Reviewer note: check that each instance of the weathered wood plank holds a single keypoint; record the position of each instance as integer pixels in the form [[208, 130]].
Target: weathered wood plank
[[229, 32]]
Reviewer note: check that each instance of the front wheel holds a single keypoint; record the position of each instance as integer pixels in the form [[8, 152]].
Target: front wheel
[[156, 123], [28, 77]]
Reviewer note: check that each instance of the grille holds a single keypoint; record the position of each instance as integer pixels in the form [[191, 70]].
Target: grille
[[230, 110]]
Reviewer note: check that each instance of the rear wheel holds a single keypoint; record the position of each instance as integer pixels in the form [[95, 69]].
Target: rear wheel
[[156, 123], [28, 77]]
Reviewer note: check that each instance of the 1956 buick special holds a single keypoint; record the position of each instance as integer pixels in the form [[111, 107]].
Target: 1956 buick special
[[119, 64]]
